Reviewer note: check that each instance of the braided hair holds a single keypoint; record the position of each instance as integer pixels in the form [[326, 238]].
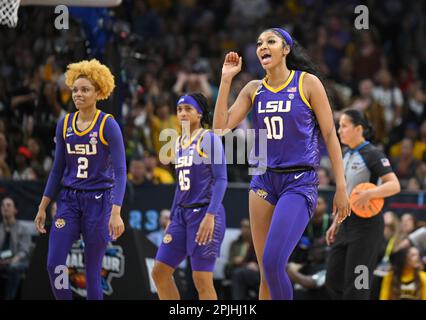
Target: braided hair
[[206, 119]]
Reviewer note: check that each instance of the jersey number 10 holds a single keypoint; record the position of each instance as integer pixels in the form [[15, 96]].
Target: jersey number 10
[[274, 127]]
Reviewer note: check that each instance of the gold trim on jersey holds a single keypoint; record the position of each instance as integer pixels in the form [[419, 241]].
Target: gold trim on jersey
[[255, 93], [64, 130], [101, 128], [200, 152], [98, 112], [191, 140], [302, 95], [281, 87]]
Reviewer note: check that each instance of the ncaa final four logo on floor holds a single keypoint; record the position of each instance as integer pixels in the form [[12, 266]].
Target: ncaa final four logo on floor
[[112, 267]]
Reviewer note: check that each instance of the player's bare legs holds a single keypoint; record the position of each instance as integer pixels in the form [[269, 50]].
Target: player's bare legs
[[163, 278], [203, 282], [260, 220]]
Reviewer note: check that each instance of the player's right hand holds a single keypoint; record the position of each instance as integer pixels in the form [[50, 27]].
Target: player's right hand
[[232, 65], [39, 221], [341, 205], [331, 233]]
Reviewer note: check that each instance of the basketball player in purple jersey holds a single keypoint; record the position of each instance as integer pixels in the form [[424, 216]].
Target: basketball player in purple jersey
[[90, 162], [290, 103], [197, 224]]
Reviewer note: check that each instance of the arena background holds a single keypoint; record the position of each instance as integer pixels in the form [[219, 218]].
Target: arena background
[[159, 49]]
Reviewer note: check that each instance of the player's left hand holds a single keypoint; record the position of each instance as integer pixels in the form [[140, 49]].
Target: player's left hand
[[116, 226], [363, 198], [205, 231]]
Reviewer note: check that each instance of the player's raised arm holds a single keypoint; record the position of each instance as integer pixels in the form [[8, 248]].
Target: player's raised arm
[[224, 118]]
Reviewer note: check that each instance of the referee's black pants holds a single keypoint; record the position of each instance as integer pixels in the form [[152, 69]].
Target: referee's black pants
[[355, 250]]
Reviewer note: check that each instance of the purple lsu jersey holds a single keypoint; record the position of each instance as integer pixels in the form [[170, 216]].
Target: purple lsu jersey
[[87, 155], [194, 175], [292, 132]]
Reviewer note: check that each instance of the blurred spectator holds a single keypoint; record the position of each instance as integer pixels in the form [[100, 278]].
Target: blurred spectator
[[3, 148], [408, 224], [4, 99], [413, 185], [246, 278], [238, 249], [195, 81], [323, 177], [390, 97], [345, 80], [368, 56], [40, 162], [419, 148], [4, 170], [15, 246], [156, 237], [161, 120], [4, 157], [139, 118], [407, 280], [23, 171], [146, 22], [416, 111], [137, 173], [371, 108], [392, 239], [421, 172], [24, 99], [155, 173], [405, 165], [250, 11], [336, 42], [417, 239]]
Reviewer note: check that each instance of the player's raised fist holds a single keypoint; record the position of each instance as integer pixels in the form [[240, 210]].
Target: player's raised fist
[[232, 65]]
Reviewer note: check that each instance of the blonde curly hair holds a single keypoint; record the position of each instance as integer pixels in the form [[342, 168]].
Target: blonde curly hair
[[95, 72]]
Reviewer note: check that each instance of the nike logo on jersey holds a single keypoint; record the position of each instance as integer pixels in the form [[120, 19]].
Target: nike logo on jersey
[[70, 134], [98, 196], [196, 210], [259, 92], [297, 176]]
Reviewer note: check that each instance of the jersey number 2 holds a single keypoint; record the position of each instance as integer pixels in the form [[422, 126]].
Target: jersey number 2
[[184, 181], [83, 164]]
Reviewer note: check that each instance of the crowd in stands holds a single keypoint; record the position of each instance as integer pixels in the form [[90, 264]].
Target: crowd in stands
[[172, 47]]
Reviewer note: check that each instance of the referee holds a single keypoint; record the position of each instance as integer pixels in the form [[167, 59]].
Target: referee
[[356, 241]]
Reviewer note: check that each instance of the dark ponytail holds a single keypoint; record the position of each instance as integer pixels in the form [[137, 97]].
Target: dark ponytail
[[298, 58], [359, 119], [206, 119]]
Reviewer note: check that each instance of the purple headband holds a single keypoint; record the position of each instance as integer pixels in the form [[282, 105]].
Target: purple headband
[[288, 39], [191, 101]]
